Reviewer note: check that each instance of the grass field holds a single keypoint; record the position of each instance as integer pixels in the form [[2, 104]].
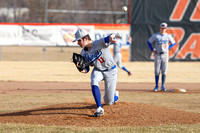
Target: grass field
[[19, 69], [179, 72]]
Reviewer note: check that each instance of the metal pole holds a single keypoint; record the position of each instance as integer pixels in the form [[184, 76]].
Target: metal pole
[[44, 53], [46, 12], [46, 21], [126, 16]]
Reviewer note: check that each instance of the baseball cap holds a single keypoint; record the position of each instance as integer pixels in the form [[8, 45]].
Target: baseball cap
[[163, 25], [79, 34]]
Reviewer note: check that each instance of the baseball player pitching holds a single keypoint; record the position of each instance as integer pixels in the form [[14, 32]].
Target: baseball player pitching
[[162, 47], [97, 53], [117, 54]]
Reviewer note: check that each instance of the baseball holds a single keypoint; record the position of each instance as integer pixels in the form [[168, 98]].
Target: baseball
[[124, 8]]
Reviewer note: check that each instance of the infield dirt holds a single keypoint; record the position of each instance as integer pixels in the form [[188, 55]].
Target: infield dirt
[[81, 114], [120, 114]]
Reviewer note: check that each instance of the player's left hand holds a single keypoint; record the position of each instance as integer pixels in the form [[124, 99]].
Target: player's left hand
[[79, 61], [112, 38]]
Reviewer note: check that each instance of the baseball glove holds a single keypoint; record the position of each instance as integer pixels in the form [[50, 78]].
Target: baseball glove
[[79, 61]]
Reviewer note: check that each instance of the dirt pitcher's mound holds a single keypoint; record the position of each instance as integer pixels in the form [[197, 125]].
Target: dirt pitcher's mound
[[120, 114]]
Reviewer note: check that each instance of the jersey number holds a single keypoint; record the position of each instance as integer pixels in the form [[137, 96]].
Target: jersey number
[[164, 46], [101, 60]]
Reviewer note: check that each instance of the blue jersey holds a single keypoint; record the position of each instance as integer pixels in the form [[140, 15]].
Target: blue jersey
[[99, 55], [117, 46], [161, 42]]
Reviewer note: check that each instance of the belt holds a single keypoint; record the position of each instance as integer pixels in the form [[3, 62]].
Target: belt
[[110, 68], [161, 53]]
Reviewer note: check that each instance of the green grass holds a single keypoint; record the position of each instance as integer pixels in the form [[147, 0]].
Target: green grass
[[15, 102], [23, 128], [182, 101]]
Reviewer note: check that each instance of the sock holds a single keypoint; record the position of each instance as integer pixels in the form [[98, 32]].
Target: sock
[[125, 69], [163, 79], [97, 95], [115, 98], [157, 79]]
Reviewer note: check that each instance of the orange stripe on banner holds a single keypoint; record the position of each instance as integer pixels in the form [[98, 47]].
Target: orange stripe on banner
[[112, 27], [86, 24]]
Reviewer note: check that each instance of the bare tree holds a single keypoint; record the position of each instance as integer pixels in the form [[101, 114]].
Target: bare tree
[[13, 11], [36, 11]]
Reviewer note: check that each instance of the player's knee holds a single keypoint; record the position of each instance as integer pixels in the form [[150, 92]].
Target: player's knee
[[96, 83], [120, 66], [108, 101], [164, 73], [157, 73]]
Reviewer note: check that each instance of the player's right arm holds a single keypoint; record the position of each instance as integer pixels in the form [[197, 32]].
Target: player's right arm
[[172, 41], [151, 40], [110, 39], [104, 42]]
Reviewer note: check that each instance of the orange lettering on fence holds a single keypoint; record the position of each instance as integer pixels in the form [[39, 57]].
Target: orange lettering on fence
[[179, 10], [191, 46], [178, 34], [196, 13]]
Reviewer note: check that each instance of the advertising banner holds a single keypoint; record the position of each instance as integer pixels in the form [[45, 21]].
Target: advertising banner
[[51, 35], [60, 34], [56, 35], [9, 35], [122, 30], [67, 33], [40, 36]]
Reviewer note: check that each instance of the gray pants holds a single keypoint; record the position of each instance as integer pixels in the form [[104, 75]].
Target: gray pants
[[161, 63], [110, 78], [118, 59]]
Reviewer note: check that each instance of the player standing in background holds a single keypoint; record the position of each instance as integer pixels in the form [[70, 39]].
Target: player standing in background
[[162, 47], [117, 54], [97, 54]]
